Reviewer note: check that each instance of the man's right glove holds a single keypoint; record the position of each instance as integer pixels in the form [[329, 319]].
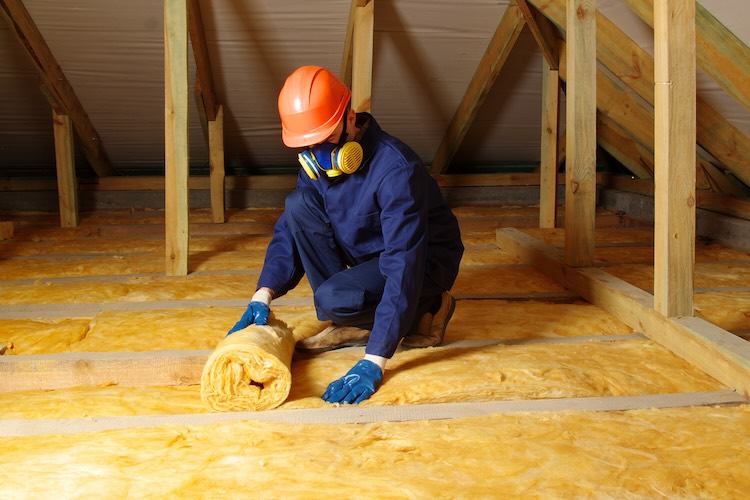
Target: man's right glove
[[256, 314], [358, 384]]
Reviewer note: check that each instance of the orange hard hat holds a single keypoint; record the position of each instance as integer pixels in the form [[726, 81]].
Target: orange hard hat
[[311, 104]]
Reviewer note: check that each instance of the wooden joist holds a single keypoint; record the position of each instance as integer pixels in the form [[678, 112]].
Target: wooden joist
[[34, 372], [357, 414], [716, 351]]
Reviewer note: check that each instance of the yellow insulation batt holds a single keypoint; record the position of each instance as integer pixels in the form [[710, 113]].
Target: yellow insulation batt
[[249, 370], [680, 453], [416, 376]]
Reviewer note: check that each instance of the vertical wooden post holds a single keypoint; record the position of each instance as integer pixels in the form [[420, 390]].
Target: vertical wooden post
[[580, 172], [216, 164], [364, 26], [67, 184], [674, 155], [550, 124], [176, 136]]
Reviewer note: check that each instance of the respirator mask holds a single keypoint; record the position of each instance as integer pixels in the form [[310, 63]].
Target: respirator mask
[[331, 160]]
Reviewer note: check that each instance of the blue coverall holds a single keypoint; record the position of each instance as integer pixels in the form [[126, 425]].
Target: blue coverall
[[379, 246]]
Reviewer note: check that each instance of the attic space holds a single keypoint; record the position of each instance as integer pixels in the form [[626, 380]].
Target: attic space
[[595, 154]]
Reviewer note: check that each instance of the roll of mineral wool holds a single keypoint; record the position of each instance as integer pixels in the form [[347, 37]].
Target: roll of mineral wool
[[249, 369]]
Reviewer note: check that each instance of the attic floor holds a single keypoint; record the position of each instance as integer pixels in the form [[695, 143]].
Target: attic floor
[[516, 337]]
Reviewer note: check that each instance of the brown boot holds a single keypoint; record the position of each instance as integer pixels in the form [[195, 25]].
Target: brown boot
[[334, 337], [431, 329]]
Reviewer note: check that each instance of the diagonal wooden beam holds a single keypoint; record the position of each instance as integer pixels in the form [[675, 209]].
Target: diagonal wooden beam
[[718, 51], [489, 67], [202, 59], [543, 32], [55, 86], [211, 113], [635, 67], [717, 352], [345, 70]]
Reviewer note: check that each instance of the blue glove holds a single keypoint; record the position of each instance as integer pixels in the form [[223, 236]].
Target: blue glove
[[257, 313], [358, 384]]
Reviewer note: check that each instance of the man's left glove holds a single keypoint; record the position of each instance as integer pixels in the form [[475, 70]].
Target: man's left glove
[[256, 314], [358, 384]]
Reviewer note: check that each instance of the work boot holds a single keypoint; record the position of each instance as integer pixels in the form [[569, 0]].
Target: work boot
[[334, 337], [431, 328]]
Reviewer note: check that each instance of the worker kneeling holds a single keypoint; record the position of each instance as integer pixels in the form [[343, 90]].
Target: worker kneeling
[[368, 226]]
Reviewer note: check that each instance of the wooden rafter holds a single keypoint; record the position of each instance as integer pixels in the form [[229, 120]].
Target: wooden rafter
[[718, 51], [345, 71], [487, 71], [634, 66], [543, 32], [202, 59], [210, 111], [55, 86]]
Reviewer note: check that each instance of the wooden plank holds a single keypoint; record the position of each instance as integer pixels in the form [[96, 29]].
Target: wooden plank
[[67, 184], [34, 372], [358, 414], [550, 132], [176, 136], [581, 98], [638, 159], [202, 60], [718, 352], [719, 52], [543, 32], [634, 66], [620, 110], [56, 86], [674, 150], [345, 69], [364, 27], [273, 182], [487, 71], [245, 182], [714, 202], [726, 205], [216, 164]]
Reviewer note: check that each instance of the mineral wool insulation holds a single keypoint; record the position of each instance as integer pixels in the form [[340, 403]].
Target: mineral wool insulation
[[497, 348]]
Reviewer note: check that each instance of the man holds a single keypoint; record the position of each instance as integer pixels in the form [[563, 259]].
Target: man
[[370, 229]]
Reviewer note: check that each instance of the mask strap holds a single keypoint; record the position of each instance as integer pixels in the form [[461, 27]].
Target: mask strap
[[342, 138]]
